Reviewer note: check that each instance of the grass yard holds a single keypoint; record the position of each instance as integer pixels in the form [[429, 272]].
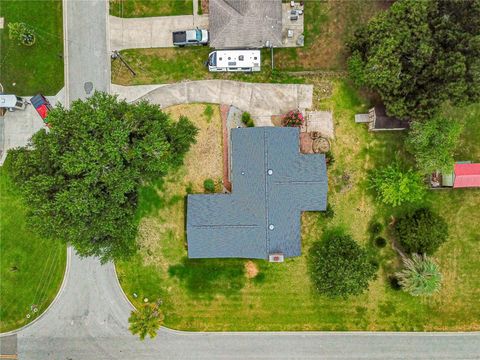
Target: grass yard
[[36, 69], [147, 8], [31, 268], [169, 65], [327, 27], [237, 294], [328, 24]]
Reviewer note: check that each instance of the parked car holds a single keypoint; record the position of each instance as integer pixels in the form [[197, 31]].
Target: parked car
[[42, 105], [190, 37]]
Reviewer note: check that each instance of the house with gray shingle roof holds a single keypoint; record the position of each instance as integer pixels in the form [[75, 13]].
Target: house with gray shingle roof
[[245, 23], [272, 183]]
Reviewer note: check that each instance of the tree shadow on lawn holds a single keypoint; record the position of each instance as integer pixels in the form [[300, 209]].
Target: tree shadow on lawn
[[205, 278]]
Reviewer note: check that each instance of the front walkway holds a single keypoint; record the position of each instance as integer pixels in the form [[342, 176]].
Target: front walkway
[[259, 99], [135, 33]]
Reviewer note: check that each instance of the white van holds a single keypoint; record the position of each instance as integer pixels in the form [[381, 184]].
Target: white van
[[234, 60]]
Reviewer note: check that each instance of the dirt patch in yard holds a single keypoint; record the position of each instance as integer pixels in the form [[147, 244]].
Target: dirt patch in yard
[[251, 269]]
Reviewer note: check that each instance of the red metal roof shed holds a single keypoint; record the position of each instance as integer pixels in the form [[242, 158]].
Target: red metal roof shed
[[467, 175]]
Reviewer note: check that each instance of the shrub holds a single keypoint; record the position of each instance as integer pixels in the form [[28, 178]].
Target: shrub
[[420, 276], [21, 32], [208, 112], [421, 231], [209, 186], [395, 186], [328, 213], [394, 282], [329, 158], [381, 242], [247, 119], [293, 118], [339, 266], [375, 228]]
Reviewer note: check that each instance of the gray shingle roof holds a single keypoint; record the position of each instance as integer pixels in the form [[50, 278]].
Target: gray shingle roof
[[245, 23], [271, 184]]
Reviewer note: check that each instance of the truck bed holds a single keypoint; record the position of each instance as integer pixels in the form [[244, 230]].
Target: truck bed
[[179, 37]]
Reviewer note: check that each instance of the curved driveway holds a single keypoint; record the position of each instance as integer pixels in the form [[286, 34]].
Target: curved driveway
[[259, 99], [89, 321]]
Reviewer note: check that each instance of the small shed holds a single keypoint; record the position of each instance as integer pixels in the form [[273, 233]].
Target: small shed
[[378, 120], [466, 175]]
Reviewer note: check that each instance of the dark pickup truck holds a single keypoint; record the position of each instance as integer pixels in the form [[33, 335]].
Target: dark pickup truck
[[190, 37]]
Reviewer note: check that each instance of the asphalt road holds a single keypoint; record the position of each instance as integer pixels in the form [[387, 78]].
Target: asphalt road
[[87, 56], [89, 321]]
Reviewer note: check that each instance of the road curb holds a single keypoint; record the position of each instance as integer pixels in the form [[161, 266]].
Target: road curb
[[59, 293]]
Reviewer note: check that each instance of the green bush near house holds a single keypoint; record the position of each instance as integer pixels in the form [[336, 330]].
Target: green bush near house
[[339, 267], [247, 119], [209, 185], [420, 276], [395, 186]]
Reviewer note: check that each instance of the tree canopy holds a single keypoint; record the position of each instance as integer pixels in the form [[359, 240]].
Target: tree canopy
[[339, 266], [421, 231], [433, 143], [395, 186], [81, 177], [418, 54]]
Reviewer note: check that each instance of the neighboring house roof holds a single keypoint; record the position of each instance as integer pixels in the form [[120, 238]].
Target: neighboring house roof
[[272, 183], [467, 175], [245, 23]]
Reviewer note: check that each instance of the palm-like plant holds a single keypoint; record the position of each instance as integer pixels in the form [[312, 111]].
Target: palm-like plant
[[146, 320], [421, 276]]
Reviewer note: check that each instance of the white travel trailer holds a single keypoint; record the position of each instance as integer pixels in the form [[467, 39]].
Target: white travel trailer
[[234, 60], [12, 102]]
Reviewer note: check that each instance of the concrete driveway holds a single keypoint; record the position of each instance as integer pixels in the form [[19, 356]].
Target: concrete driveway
[[259, 99], [18, 128], [132, 33]]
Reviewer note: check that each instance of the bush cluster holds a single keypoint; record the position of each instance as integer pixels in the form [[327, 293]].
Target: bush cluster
[[339, 266], [247, 119], [421, 232], [293, 118], [209, 185]]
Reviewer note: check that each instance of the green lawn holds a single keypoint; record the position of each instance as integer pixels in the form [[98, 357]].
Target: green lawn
[[169, 65], [220, 294], [146, 8], [39, 68], [31, 268]]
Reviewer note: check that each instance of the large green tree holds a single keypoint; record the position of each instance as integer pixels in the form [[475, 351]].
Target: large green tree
[[433, 143], [339, 266], [81, 177], [418, 54], [421, 231]]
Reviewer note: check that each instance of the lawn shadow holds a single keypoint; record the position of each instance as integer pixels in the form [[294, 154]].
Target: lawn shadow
[[205, 278]]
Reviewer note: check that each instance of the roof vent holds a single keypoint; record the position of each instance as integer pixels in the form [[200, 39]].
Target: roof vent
[[271, 226], [270, 172]]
